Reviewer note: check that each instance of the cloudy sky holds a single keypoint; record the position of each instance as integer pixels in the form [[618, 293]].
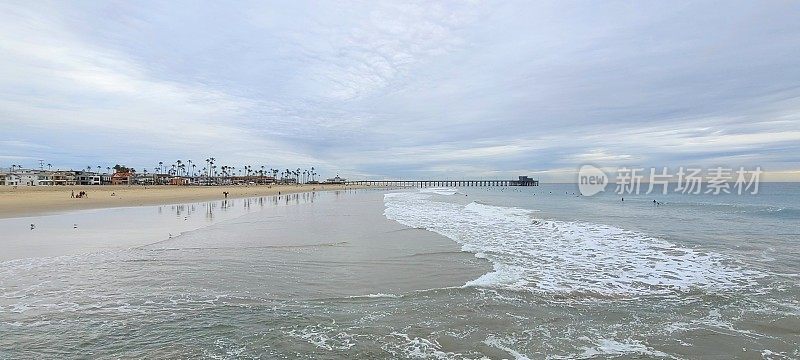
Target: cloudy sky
[[402, 89]]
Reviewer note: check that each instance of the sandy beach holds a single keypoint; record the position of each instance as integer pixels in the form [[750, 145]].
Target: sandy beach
[[36, 200]]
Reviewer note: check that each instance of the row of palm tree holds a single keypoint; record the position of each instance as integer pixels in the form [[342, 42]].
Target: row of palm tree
[[189, 169], [211, 170], [88, 168]]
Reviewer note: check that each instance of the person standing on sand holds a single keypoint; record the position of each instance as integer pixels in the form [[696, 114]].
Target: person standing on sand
[[73, 194]]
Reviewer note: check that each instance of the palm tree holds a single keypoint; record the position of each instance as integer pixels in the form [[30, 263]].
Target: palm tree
[[108, 169], [49, 166], [160, 166], [312, 173]]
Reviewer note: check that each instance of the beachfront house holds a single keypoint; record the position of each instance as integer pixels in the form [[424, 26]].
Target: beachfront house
[[122, 178], [63, 178], [25, 179], [45, 178], [144, 179], [179, 181], [249, 180], [105, 179], [88, 178], [9, 179]]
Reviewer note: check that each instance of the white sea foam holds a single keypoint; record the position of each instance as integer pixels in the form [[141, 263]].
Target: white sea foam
[[565, 258], [605, 347], [439, 191], [376, 295], [401, 345], [503, 344], [325, 336]]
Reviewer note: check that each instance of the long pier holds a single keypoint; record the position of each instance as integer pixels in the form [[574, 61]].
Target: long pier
[[453, 183]]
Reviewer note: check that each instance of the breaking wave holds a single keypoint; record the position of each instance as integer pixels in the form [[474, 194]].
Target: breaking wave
[[566, 258]]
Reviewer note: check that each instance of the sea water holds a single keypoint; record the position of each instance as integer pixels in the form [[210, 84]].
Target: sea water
[[495, 272]]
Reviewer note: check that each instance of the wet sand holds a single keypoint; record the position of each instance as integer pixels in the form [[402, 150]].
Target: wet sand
[[34, 200], [92, 230]]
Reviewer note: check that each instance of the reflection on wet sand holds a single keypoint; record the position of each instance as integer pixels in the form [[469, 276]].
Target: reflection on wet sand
[[89, 230], [185, 211]]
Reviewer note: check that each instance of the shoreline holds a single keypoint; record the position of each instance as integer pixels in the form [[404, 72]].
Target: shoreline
[[25, 201]]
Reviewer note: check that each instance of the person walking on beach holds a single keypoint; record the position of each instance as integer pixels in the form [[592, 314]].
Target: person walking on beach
[[73, 194]]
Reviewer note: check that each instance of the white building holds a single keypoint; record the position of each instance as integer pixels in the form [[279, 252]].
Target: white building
[[21, 179], [335, 180], [8, 179], [88, 178]]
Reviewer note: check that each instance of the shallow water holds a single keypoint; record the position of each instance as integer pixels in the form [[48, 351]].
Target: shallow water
[[459, 273]]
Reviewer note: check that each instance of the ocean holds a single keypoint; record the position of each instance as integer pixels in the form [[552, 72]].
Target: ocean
[[445, 273]]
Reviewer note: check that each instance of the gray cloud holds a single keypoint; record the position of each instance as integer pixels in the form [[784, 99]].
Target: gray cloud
[[403, 89]]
